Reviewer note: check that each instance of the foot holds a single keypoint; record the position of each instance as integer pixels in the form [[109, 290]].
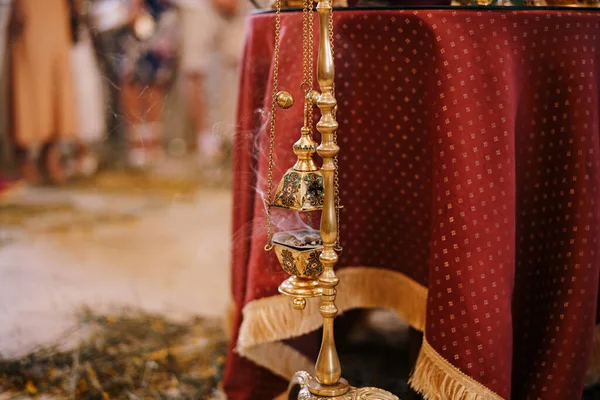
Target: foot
[[146, 157], [210, 149], [30, 172], [87, 161], [9, 186], [59, 166], [88, 164]]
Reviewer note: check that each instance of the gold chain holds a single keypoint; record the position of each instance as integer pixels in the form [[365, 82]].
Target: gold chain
[[307, 61], [336, 177], [304, 43], [310, 63], [307, 70], [269, 244]]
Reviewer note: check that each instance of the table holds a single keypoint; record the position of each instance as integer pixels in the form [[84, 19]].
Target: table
[[469, 170]]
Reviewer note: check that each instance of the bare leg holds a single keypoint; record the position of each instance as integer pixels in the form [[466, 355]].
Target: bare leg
[[133, 112], [208, 143], [143, 109], [196, 103], [29, 164], [56, 162], [155, 102]]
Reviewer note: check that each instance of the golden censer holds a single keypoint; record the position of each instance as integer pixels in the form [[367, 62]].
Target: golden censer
[[310, 255]]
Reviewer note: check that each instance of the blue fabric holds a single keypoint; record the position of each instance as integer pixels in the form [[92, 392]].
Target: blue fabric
[[156, 7], [149, 63]]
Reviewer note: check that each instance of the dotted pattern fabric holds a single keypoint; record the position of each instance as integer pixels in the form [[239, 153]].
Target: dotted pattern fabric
[[469, 162]]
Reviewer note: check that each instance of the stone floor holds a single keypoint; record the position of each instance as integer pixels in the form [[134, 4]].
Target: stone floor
[[108, 250]]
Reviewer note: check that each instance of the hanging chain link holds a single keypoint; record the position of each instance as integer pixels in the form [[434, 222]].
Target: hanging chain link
[[304, 83], [307, 61], [307, 70], [269, 244], [305, 49], [336, 178], [311, 65]]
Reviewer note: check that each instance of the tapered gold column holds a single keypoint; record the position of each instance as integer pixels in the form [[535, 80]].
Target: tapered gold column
[[328, 370], [327, 381]]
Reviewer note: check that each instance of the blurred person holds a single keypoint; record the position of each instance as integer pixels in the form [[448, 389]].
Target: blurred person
[[42, 101], [89, 92], [147, 71], [136, 44], [211, 28], [5, 145], [110, 22], [7, 182]]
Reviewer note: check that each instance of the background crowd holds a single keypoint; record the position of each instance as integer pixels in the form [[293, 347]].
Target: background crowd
[[116, 120], [120, 83]]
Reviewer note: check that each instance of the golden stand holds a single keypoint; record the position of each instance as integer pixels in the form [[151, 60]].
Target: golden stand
[[299, 390], [327, 382]]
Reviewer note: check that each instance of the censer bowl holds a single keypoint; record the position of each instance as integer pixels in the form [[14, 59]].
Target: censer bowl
[[298, 253]]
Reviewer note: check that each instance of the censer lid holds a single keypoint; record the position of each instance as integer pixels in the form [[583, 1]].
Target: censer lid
[[300, 191]]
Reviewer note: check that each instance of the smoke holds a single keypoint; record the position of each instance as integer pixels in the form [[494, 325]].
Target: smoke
[[282, 220]]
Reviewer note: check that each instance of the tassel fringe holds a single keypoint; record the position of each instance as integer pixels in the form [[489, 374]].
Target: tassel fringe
[[230, 315], [593, 373], [268, 321], [436, 379], [272, 318], [279, 358]]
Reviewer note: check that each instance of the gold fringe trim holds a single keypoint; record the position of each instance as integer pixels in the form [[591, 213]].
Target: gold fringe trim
[[279, 358], [269, 320], [437, 379], [230, 318], [593, 373]]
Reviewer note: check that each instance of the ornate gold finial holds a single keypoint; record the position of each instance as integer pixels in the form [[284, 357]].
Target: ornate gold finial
[[284, 99], [299, 303]]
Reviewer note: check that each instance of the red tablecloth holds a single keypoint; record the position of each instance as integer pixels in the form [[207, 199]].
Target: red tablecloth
[[470, 170]]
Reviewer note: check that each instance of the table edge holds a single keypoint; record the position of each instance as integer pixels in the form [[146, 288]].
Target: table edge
[[440, 8]]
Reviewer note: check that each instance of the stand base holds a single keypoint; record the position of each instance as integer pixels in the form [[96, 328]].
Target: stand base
[[302, 383], [317, 388]]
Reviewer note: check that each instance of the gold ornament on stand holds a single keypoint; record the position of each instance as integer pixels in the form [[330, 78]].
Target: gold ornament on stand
[[301, 188], [284, 99], [307, 255]]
